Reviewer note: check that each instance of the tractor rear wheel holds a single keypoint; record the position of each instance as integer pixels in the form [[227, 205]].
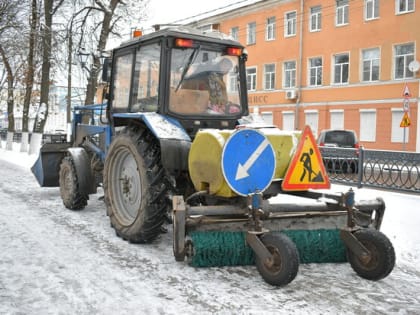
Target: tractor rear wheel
[[135, 186], [382, 252], [71, 195], [285, 263]]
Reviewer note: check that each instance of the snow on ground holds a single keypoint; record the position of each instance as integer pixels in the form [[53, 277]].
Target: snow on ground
[[56, 261]]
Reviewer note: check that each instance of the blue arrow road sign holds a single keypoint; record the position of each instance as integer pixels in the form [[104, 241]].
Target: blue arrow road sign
[[248, 162]]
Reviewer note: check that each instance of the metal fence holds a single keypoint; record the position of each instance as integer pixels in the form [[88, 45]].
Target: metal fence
[[393, 170]]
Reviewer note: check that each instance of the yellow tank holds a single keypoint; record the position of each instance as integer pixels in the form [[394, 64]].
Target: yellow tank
[[205, 157]]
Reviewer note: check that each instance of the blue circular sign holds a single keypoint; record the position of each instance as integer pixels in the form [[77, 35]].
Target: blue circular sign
[[248, 162]]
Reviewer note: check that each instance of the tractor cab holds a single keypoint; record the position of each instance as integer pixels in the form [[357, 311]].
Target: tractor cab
[[197, 79]]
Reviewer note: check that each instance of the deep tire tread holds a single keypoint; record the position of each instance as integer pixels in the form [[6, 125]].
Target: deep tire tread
[[155, 205], [72, 198]]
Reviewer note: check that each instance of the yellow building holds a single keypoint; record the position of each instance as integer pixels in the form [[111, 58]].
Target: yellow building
[[344, 64]]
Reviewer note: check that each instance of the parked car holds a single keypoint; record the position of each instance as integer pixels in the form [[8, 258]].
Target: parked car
[[339, 160]]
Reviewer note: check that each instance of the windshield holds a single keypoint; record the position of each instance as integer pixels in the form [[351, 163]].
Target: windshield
[[204, 82]]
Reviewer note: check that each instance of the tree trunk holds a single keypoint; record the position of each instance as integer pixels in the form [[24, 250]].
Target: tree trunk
[[29, 79], [10, 100], [42, 115], [96, 65]]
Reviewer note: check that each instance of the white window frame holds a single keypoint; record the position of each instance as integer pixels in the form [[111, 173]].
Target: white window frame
[[337, 119], [311, 119], [407, 58], [372, 62], [289, 74], [290, 22], [253, 77], [267, 117], [397, 132], [342, 12], [233, 82], [371, 10], [367, 125], [288, 121], [342, 68], [270, 77], [315, 18], [404, 6], [318, 71], [270, 32], [251, 33], [234, 32]]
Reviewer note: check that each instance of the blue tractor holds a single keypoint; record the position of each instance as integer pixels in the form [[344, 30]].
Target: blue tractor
[[165, 147]]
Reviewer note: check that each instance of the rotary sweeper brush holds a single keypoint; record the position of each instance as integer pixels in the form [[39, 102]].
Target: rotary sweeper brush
[[234, 217]]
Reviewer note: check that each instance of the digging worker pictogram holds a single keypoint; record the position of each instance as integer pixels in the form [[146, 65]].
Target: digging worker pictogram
[[305, 159]]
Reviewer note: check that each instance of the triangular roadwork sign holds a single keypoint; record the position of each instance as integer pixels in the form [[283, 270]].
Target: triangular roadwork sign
[[405, 122], [406, 92], [306, 170]]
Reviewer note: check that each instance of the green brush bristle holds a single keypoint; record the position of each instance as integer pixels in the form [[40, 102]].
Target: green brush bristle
[[318, 246], [216, 249], [224, 248]]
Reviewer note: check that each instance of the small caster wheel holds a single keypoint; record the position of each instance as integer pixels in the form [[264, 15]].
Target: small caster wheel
[[382, 255], [283, 268]]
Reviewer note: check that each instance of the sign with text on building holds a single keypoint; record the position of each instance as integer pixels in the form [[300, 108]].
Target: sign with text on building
[[306, 170]]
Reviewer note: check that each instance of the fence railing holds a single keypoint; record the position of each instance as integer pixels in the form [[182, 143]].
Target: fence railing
[[393, 170]]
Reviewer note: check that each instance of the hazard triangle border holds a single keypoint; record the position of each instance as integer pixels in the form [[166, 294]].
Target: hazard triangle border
[[286, 185]]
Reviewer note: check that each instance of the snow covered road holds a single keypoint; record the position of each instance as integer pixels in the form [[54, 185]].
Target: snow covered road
[[56, 261]]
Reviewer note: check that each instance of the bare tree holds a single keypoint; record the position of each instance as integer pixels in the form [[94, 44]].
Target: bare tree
[[113, 13], [42, 114], [29, 77], [9, 22]]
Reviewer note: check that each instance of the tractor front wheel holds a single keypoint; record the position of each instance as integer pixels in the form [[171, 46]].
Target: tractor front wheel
[[72, 197], [285, 263], [134, 186], [382, 255]]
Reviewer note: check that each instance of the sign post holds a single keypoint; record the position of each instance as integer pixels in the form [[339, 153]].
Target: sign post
[[405, 122]]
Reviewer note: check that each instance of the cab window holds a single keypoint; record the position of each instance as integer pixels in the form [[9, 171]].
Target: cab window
[[146, 79]]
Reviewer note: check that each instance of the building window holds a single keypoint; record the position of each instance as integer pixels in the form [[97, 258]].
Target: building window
[[251, 33], [371, 9], [404, 6], [233, 82], [288, 122], [341, 68], [368, 125], [267, 117], [397, 132], [289, 74], [269, 77], [271, 28], [342, 12], [290, 24], [234, 32], [251, 79], [311, 119], [315, 19], [404, 54], [315, 71], [370, 62], [337, 119]]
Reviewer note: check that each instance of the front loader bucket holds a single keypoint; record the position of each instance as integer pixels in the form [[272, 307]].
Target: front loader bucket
[[47, 166]]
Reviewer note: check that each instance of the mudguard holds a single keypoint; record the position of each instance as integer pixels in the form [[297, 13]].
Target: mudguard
[[85, 177], [174, 142]]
